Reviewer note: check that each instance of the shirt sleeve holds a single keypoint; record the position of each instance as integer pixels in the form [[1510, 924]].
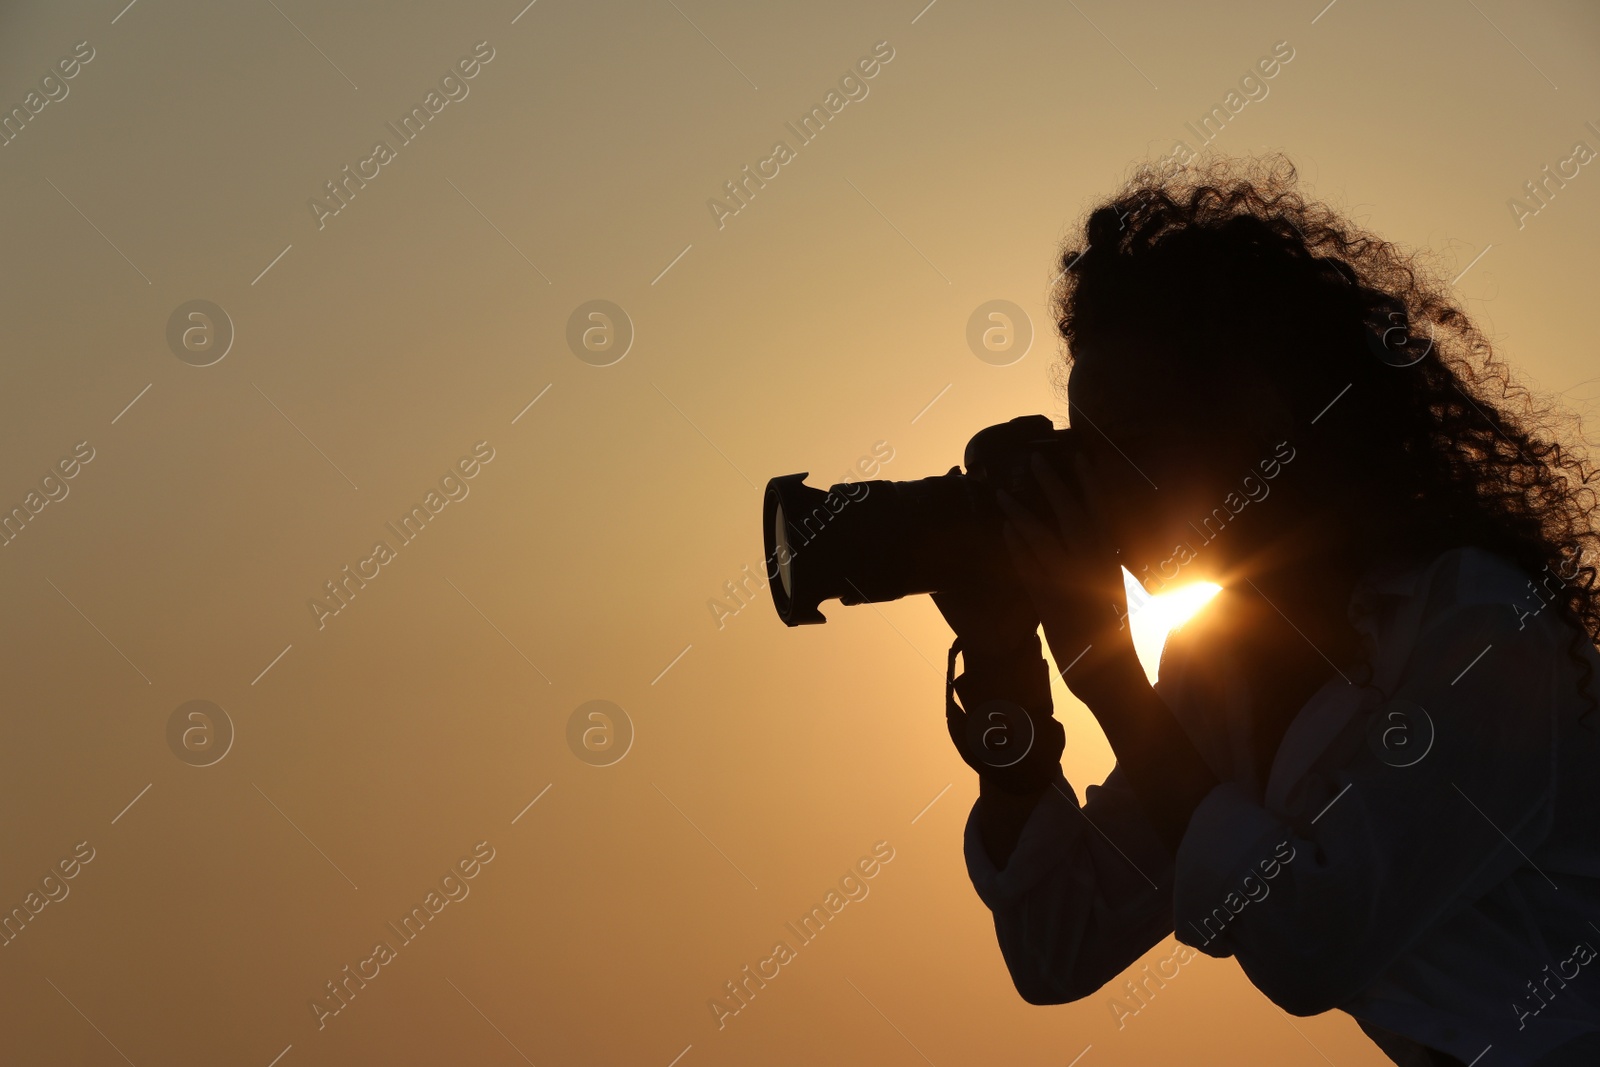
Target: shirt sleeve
[[1087, 891], [1421, 800]]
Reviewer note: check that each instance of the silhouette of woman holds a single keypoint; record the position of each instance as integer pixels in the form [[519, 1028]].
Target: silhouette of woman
[[1370, 767]]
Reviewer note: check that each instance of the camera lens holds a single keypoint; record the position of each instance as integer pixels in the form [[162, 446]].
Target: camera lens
[[876, 541], [780, 531]]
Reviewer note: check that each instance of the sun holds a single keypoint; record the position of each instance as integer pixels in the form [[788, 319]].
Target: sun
[[1153, 617]]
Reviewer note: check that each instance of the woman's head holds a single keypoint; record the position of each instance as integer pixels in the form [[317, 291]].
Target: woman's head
[[1216, 320]]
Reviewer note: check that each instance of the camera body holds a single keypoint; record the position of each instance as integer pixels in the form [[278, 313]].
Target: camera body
[[875, 541]]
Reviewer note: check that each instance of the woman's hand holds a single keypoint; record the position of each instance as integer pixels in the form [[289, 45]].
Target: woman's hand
[[1003, 727], [1075, 582], [990, 617], [1074, 579]]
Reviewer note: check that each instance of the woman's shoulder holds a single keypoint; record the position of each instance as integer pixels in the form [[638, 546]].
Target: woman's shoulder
[[1457, 603], [1462, 586]]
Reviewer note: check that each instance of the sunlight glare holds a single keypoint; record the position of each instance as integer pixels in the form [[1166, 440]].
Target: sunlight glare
[[1153, 617]]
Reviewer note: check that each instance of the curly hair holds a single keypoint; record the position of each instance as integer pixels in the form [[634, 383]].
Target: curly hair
[[1231, 274]]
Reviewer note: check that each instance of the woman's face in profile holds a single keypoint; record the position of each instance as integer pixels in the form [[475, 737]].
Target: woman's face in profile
[[1167, 462]]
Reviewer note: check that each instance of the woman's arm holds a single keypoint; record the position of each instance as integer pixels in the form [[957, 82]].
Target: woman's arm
[[1082, 895], [1001, 816], [1078, 894], [1164, 768], [1167, 773], [1074, 579]]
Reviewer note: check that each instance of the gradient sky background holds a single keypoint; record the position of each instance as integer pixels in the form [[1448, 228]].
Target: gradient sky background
[[374, 753]]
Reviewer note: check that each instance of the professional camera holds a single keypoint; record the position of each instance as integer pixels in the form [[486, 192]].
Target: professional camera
[[869, 542]]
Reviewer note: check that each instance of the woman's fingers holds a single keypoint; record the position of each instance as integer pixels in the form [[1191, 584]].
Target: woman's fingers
[[1070, 549], [1035, 533], [1092, 477], [1075, 509], [1023, 557], [1069, 512], [1045, 587], [1036, 552], [1040, 558]]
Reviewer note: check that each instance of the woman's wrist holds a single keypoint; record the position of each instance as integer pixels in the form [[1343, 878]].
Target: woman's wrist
[[1015, 670], [1002, 815], [1102, 677], [1168, 774]]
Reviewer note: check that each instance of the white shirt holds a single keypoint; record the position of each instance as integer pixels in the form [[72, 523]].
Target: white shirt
[[1443, 897]]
